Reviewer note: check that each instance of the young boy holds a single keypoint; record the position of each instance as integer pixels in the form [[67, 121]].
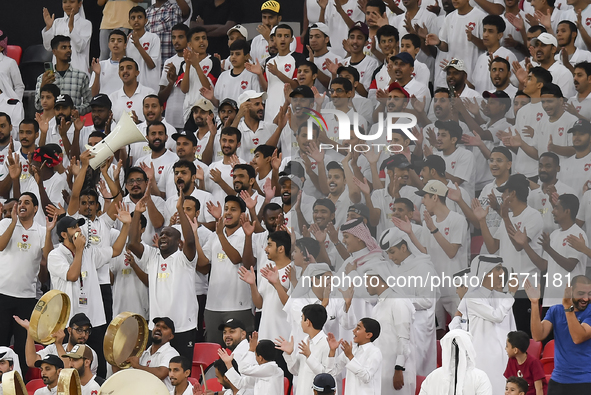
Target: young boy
[[270, 17], [234, 82], [363, 361], [357, 40], [264, 375], [49, 94], [237, 32], [73, 25], [144, 48], [220, 373], [517, 386], [411, 43], [262, 163], [105, 74], [523, 365]]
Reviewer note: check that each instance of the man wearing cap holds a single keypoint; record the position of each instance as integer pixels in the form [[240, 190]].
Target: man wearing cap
[[339, 17], [51, 366], [356, 40], [152, 109], [130, 97], [102, 121], [402, 68], [517, 216], [61, 131], [319, 53], [80, 358], [250, 122], [235, 338], [198, 124], [237, 32], [271, 17], [23, 245], [324, 384], [545, 47], [574, 171], [447, 244]]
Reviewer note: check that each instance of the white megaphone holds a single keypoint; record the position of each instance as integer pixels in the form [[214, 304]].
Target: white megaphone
[[126, 132]]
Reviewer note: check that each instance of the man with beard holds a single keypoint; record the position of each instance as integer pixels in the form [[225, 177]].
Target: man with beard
[[220, 172], [402, 66], [228, 297], [184, 180], [152, 108], [179, 370], [102, 121], [244, 180], [249, 121], [130, 97], [576, 168], [6, 143], [20, 177], [50, 366], [323, 219], [171, 272], [235, 338], [569, 55], [23, 245], [159, 157], [173, 70], [578, 105], [540, 196], [9, 361], [227, 112], [441, 110], [62, 130], [290, 186], [500, 76], [545, 47], [80, 358], [201, 123], [571, 324]]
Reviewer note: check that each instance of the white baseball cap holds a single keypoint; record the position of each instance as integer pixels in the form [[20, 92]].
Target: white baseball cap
[[322, 27], [545, 38], [240, 29], [247, 95]]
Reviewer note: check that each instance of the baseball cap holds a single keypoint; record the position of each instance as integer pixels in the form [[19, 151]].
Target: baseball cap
[[101, 100], [391, 237], [294, 180], [457, 64], [48, 154], [204, 104], [190, 136], [434, 187], [232, 323], [51, 360], [361, 27], [324, 383], [405, 57], [303, 90], [68, 222], [434, 162], [64, 100], [395, 161], [240, 29], [80, 351], [395, 85], [167, 321], [495, 95], [80, 319], [322, 27], [516, 182], [231, 198], [582, 125], [545, 38], [230, 102], [250, 94], [360, 209], [272, 6]]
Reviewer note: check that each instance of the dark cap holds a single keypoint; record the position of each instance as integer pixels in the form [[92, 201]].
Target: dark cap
[[360, 209], [230, 102], [295, 179], [495, 95], [231, 198], [232, 323], [324, 383], [48, 154], [405, 57], [582, 125], [516, 182], [63, 225], [167, 321], [80, 319], [395, 161], [51, 360], [551, 89], [326, 203], [101, 100], [434, 162], [303, 90], [361, 27], [64, 100], [189, 135]]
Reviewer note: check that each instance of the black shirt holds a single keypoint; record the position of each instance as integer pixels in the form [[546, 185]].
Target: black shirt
[[229, 10]]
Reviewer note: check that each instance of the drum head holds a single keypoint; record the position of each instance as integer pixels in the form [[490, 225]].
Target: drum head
[[133, 382], [68, 383], [126, 336], [51, 314], [13, 384]]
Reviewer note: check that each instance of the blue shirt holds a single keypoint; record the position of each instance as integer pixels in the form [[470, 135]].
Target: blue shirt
[[572, 362]]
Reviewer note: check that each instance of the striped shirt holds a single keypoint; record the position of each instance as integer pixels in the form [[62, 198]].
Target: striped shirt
[[74, 83]]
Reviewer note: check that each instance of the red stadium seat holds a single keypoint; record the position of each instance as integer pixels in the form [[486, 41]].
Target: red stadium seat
[[476, 245], [548, 350], [343, 386], [194, 382], [420, 380], [300, 45], [438, 354], [204, 354], [535, 348], [286, 387], [39, 347], [34, 385], [32, 374], [15, 52], [214, 385]]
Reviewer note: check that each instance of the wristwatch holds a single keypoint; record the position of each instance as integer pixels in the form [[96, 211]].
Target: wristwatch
[[570, 309]]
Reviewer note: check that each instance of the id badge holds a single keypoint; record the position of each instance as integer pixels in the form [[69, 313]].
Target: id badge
[[82, 299]]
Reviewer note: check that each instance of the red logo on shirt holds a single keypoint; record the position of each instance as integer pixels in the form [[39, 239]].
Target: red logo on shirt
[[244, 84], [349, 12], [539, 116], [519, 226], [255, 141], [560, 131], [564, 242], [25, 238], [160, 168], [391, 205], [205, 69], [25, 168], [543, 201], [471, 25], [287, 67], [285, 221], [588, 21], [163, 267], [362, 74], [313, 165], [95, 392], [578, 108], [1, 159], [284, 278], [446, 231], [198, 148], [129, 104], [587, 167], [326, 244], [453, 165], [146, 46]]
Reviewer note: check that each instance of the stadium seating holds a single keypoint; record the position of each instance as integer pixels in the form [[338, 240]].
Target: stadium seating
[[204, 354], [34, 385], [535, 348], [15, 52], [32, 64], [548, 358], [420, 380]]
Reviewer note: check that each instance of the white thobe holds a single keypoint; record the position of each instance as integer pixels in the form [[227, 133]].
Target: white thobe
[[364, 371]]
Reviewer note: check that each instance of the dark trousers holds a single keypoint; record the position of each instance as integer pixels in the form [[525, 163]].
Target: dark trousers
[[555, 388], [21, 307], [522, 312], [184, 343], [107, 294], [201, 299], [95, 341]]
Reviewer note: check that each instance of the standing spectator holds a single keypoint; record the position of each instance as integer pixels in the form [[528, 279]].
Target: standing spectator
[[340, 16], [10, 75], [73, 25], [162, 15], [105, 74], [270, 18], [216, 18], [576, 168], [115, 17], [144, 48], [131, 96], [174, 69]]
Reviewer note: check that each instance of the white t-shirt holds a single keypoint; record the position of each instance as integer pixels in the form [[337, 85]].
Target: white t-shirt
[[150, 230], [141, 148], [541, 202], [274, 321], [288, 65], [151, 43], [339, 30], [226, 291], [582, 105], [122, 102], [562, 77], [227, 173], [129, 292], [585, 212], [160, 358], [493, 219], [319, 62], [558, 130], [532, 115], [202, 196], [232, 86], [365, 68], [174, 104], [259, 50], [251, 140], [100, 236], [168, 158], [461, 164], [110, 81], [207, 66], [575, 172], [580, 55], [22, 259], [480, 77]]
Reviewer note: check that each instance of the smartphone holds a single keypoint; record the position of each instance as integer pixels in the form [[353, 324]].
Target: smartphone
[[452, 91], [48, 66]]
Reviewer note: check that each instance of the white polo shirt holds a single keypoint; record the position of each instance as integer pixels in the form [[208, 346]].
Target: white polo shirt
[[227, 175], [365, 68], [168, 158], [461, 164], [129, 292], [109, 81], [151, 43], [150, 230], [142, 148], [232, 86], [122, 102], [100, 236], [250, 140], [172, 287], [160, 358], [574, 172], [174, 104], [202, 196]]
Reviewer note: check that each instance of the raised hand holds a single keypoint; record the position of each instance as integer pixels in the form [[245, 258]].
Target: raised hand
[[533, 293], [254, 68], [436, 9], [248, 200], [543, 240], [214, 210], [224, 356], [270, 273], [319, 235], [372, 156], [455, 194], [284, 345], [479, 212], [304, 348], [247, 226], [518, 236], [363, 186], [333, 343], [247, 275], [14, 166], [48, 19], [347, 349], [403, 225], [428, 221]]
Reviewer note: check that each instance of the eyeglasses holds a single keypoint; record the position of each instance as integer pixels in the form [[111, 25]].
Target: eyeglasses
[[132, 181], [81, 331], [338, 90]]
